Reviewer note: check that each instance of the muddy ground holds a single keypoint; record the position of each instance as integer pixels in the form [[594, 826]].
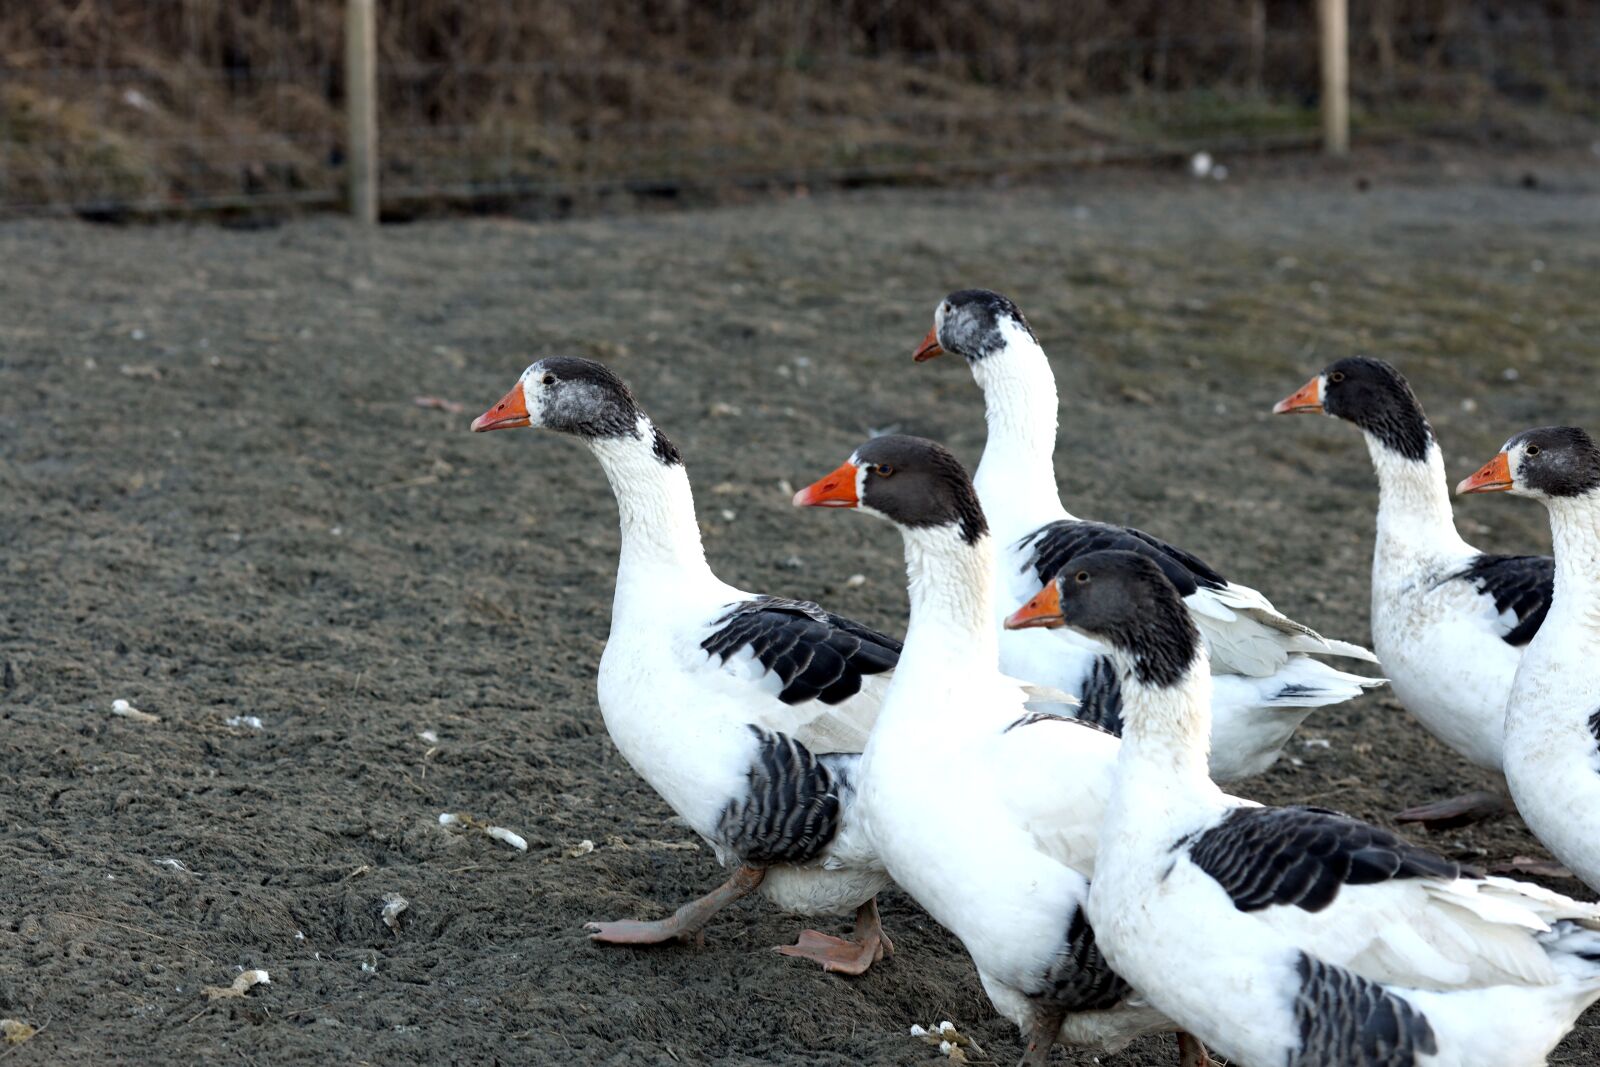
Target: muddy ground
[[217, 499]]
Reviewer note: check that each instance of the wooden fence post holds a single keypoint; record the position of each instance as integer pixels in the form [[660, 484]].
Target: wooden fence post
[[361, 95], [1334, 33]]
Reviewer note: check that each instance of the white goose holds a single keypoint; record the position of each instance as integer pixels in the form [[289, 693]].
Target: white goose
[[1266, 679], [1552, 732], [1190, 888], [985, 813], [1449, 623], [744, 712]]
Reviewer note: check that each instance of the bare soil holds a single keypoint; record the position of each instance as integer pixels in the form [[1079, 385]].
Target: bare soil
[[218, 499]]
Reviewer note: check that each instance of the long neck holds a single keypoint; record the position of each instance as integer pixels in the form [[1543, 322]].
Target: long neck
[[654, 501], [1166, 739], [951, 587], [1019, 397], [1415, 523], [1575, 534]]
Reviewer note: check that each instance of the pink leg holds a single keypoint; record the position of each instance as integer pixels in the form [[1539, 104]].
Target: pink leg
[[687, 922], [1468, 808], [845, 956], [1191, 1053]]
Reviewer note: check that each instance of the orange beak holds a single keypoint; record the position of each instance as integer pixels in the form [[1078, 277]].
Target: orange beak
[[1043, 610], [1306, 399], [1493, 477], [929, 347], [509, 414], [837, 490]]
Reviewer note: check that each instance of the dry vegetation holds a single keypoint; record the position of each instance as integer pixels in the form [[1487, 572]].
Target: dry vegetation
[[174, 101]]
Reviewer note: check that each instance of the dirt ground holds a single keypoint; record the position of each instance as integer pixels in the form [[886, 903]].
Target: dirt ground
[[217, 499]]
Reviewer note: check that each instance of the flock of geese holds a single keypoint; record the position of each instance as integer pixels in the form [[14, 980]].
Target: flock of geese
[[1096, 684]]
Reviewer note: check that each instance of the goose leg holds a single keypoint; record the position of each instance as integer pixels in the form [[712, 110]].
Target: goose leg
[[1477, 806], [1191, 1053], [686, 922], [1532, 865], [853, 955], [1042, 1034]]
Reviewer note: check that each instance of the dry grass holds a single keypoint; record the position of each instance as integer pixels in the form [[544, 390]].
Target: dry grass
[[178, 101]]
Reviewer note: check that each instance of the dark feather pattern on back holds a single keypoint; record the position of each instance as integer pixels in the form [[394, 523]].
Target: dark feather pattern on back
[[1303, 856], [1050, 716], [816, 654], [1080, 978], [1057, 542], [1101, 699], [791, 809], [1348, 1020], [1520, 584]]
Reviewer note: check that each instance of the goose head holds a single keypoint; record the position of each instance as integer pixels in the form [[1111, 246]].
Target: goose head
[[1122, 604], [911, 481], [573, 396], [974, 324], [1371, 394], [1549, 463]]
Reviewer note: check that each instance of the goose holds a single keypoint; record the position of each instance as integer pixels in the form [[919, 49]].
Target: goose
[[1191, 887], [1552, 724], [746, 713], [1449, 623], [984, 812], [1267, 681]]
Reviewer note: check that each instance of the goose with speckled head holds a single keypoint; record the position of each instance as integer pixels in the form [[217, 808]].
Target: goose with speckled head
[[1267, 677], [1450, 624], [745, 712], [1552, 721], [1295, 936]]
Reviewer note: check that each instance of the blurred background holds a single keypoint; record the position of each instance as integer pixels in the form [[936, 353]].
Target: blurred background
[[124, 107]]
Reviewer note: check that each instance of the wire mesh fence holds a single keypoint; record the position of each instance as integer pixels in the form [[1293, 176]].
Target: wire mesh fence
[[114, 107]]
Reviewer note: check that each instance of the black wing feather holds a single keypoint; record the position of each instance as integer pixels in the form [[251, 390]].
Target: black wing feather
[[1303, 856], [1079, 978], [791, 808], [1520, 584], [1101, 700], [1354, 1022], [1054, 544], [816, 654]]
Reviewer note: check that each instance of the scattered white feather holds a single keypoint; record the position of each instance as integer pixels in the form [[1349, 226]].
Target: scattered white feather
[[515, 840], [241, 985], [393, 905], [127, 711]]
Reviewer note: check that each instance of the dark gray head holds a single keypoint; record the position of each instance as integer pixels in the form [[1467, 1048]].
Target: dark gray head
[[1123, 599], [911, 481], [573, 396], [1549, 463], [1374, 396], [972, 323]]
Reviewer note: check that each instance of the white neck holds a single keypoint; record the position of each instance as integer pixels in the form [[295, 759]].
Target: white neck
[[1415, 524], [655, 504], [951, 587], [1575, 535], [1166, 744], [1016, 478]]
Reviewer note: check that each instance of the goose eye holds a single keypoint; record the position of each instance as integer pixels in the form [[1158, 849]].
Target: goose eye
[[1081, 576], [1336, 376], [883, 470], [549, 379], [1533, 450]]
